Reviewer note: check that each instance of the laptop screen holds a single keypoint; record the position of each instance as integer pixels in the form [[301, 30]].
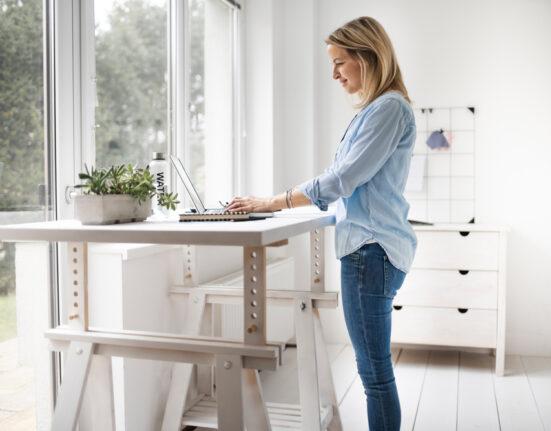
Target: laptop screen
[[188, 184]]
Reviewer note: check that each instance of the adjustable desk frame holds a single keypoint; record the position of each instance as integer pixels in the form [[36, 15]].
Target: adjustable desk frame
[[240, 405]]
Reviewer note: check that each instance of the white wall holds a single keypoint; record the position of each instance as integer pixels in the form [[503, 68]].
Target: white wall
[[493, 55], [259, 96]]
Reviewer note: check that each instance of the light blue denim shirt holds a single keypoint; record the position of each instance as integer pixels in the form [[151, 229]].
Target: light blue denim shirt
[[367, 179]]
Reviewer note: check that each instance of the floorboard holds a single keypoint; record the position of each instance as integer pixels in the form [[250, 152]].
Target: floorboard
[[281, 386], [476, 402], [515, 401], [538, 371], [439, 390], [344, 371], [438, 403], [410, 374], [353, 408]]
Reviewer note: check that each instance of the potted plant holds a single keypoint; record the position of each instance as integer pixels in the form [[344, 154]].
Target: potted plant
[[119, 194]]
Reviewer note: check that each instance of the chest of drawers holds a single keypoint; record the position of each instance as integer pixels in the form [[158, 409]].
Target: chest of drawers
[[454, 294]]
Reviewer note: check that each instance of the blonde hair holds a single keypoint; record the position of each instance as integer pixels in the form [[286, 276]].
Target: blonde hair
[[366, 41]]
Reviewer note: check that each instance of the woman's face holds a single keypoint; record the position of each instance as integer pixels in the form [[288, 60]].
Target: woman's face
[[345, 68]]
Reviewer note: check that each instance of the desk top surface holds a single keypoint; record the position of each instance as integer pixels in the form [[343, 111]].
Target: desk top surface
[[245, 233]]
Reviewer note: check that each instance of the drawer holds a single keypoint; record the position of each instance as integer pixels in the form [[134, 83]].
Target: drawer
[[457, 250], [444, 326], [449, 288]]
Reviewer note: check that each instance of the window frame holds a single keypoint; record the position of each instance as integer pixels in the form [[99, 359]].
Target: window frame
[[63, 106], [179, 100], [178, 51], [238, 99]]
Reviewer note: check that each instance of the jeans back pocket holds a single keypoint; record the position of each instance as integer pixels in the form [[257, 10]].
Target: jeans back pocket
[[394, 278]]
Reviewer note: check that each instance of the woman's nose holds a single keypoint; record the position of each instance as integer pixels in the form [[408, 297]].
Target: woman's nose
[[336, 74]]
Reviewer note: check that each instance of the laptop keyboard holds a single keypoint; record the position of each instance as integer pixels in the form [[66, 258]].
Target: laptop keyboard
[[221, 211]]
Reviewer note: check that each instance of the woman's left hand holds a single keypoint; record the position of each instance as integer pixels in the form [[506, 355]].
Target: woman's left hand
[[249, 204]]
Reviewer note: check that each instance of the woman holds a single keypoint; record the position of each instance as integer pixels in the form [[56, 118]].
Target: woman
[[373, 238]]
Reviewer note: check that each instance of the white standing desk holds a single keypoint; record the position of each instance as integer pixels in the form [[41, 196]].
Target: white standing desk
[[239, 404]]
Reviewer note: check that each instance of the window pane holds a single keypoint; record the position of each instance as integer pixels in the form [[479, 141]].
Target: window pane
[[210, 134], [22, 179], [131, 74]]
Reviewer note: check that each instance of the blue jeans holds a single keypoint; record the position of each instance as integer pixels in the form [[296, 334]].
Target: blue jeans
[[369, 283]]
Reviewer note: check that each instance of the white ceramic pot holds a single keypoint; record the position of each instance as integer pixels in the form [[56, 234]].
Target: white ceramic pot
[[110, 209]]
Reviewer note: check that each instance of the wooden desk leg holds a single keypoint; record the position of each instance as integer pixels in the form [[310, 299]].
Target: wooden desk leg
[[181, 379], [74, 383], [229, 394], [98, 406], [87, 380], [254, 295], [327, 387], [256, 413], [254, 326], [317, 260], [307, 365]]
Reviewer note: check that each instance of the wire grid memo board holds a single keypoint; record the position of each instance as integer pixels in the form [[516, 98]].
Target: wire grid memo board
[[441, 186]]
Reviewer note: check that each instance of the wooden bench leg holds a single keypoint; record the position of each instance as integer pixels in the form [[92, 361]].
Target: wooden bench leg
[[175, 404], [74, 382], [327, 387], [182, 374], [256, 413], [98, 406], [229, 394], [307, 365]]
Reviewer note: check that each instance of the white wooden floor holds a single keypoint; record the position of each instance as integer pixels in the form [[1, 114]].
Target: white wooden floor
[[439, 390], [16, 391]]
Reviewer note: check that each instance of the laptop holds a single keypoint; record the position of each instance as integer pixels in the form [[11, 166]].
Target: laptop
[[202, 213]]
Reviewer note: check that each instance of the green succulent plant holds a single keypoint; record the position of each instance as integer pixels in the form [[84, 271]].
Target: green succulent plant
[[124, 180], [169, 200]]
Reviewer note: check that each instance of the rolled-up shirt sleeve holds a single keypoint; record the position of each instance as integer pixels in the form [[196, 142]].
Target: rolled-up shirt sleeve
[[378, 136]]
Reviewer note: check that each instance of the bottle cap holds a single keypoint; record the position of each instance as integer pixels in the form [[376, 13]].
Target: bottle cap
[[158, 156]]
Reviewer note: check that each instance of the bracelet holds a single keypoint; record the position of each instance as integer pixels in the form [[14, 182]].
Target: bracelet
[[291, 196], [287, 198]]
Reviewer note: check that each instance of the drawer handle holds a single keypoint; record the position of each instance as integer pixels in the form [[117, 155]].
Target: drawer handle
[[464, 232], [463, 271], [462, 310], [397, 307]]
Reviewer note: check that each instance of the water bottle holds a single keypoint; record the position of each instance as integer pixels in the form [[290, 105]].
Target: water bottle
[[159, 169]]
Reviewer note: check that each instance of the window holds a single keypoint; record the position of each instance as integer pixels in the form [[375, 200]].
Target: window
[[23, 185], [132, 73], [131, 81], [211, 129]]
